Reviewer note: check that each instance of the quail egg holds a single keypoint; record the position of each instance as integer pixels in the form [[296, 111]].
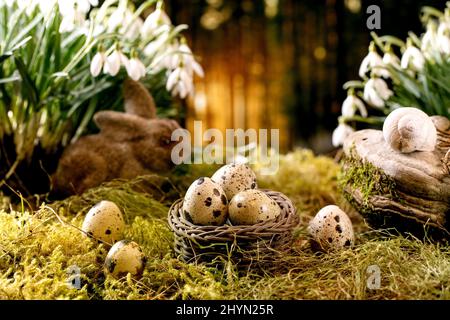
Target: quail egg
[[125, 257], [105, 222], [331, 229], [205, 203], [234, 178], [251, 207]]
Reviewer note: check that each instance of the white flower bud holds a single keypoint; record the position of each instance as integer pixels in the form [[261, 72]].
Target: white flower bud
[[351, 104], [97, 63], [340, 134], [376, 92]]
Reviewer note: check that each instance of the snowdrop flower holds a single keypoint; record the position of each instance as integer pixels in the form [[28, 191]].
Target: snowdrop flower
[[429, 39], [390, 59], [135, 68], [180, 82], [82, 7], [97, 62], [412, 58], [154, 20], [85, 5], [114, 61], [70, 21], [191, 65], [116, 19], [376, 92], [443, 37], [159, 43], [352, 104], [132, 26], [372, 62], [73, 14], [341, 133]]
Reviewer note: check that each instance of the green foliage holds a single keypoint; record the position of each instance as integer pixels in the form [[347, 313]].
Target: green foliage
[[47, 93]]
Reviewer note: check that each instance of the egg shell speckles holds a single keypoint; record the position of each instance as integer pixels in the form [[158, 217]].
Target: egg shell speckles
[[252, 206], [234, 178], [125, 257], [331, 229], [205, 203], [105, 222]]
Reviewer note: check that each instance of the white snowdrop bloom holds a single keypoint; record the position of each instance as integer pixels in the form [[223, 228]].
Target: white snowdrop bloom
[[116, 19], [97, 63], [66, 25], [180, 90], [429, 38], [114, 61], [71, 18], [412, 58], [85, 5], [189, 61], [180, 83], [132, 26], [444, 44], [372, 62], [340, 134], [352, 104], [67, 6], [444, 26], [166, 56], [135, 69], [155, 20], [376, 92], [443, 37], [390, 59]]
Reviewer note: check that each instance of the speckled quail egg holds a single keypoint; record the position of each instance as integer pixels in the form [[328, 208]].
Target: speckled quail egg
[[205, 203], [331, 229], [105, 222], [125, 257], [234, 178], [251, 207]]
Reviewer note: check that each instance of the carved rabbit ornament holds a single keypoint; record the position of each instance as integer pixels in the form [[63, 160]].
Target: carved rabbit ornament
[[128, 145]]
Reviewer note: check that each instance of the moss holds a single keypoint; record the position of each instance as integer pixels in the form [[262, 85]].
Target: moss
[[368, 179], [36, 250]]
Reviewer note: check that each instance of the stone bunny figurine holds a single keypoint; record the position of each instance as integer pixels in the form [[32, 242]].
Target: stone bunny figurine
[[128, 145]]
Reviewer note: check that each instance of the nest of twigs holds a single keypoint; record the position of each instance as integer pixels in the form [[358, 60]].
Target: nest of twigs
[[259, 245]]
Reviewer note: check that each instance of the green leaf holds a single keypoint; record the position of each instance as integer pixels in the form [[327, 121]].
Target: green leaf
[[28, 87]]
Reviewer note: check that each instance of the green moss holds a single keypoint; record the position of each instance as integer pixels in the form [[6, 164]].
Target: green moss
[[368, 179], [36, 250]]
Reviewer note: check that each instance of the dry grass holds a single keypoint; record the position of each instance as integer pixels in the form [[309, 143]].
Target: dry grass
[[36, 250]]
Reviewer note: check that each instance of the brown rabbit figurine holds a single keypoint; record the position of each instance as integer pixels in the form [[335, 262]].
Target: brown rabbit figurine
[[128, 145]]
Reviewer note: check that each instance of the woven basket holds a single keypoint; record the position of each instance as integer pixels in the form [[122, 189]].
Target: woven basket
[[257, 245]]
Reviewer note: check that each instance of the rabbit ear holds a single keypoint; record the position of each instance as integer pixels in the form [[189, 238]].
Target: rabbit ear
[[138, 100], [119, 126]]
